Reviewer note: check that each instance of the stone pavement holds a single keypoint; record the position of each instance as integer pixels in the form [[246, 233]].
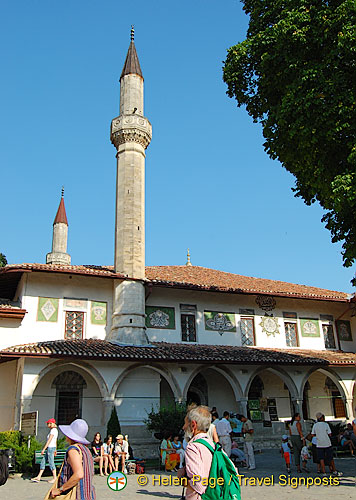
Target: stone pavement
[[269, 463]]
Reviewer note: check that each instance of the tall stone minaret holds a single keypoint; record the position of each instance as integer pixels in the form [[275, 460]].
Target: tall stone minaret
[[60, 237], [131, 133]]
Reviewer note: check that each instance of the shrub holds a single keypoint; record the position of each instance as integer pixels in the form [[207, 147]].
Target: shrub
[[113, 427], [167, 418], [19, 443]]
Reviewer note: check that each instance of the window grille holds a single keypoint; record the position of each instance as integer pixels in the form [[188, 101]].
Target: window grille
[[329, 338], [74, 328], [247, 331], [188, 327], [291, 334]]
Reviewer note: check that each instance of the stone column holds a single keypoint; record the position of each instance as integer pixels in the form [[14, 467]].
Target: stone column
[[349, 408], [298, 406], [243, 406], [107, 406]]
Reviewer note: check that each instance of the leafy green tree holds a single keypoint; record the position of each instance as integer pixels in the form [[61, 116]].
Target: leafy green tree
[[167, 418], [113, 427], [3, 260], [296, 74]]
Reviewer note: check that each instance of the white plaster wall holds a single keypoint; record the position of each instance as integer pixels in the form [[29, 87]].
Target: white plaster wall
[[8, 372], [319, 399], [136, 395], [224, 302], [274, 388], [220, 393], [57, 286]]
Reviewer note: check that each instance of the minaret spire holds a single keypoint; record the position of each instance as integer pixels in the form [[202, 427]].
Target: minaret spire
[[59, 253], [130, 134], [188, 263]]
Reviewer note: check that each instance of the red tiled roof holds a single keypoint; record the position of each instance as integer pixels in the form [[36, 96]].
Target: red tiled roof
[[182, 353], [197, 278], [61, 213], [211, 279], [11, 312]]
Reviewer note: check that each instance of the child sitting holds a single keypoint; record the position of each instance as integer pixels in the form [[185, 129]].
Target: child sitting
[[286, 451]]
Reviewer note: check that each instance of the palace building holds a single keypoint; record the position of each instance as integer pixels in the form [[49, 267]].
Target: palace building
[[77, 340]]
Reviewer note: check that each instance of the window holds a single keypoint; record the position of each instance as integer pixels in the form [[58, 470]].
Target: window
[[329, 338], [291, 334], [69, 387], [247, 331], [188, 327], [74, 325]]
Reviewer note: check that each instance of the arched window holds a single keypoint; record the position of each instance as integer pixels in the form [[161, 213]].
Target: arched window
[[69, 387]]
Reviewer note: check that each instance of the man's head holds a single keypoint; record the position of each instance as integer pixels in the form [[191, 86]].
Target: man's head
[[226, 415], [214, 416], [320, 416], [243, 418], [198, 419]]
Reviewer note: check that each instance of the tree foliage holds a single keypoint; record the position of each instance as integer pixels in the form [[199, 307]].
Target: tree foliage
[[167, 418], [296, 74], [113, 427], [3, 260]]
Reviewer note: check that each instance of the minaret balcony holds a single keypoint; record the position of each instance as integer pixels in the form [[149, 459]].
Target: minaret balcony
[[131, 128]]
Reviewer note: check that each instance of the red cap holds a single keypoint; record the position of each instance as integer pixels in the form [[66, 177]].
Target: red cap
[[51, 421]]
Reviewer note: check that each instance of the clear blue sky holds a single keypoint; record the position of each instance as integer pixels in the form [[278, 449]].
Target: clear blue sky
[[209, 184]]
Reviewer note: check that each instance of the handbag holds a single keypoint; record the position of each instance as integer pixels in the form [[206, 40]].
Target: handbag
[[70, 494]]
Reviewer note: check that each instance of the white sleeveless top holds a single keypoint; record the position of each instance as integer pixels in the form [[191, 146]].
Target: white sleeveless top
[[293, 429]]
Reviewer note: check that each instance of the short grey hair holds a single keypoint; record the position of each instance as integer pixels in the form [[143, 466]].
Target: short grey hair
[[319, 415], [202, 416]]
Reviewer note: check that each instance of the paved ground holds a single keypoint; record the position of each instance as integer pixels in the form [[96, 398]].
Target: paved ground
[[269, 463]]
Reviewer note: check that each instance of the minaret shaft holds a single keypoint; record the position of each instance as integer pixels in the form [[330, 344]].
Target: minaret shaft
[[131, 95], [130, 134], [130, 211]]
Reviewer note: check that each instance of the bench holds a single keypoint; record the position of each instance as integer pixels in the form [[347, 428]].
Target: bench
[[338, 450], [58, 459]]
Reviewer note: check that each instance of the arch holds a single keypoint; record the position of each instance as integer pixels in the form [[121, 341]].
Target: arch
[[270, 393], [97, 377], [309, 403], [170, 379], [328, 373], [235, 385], [279, 373]]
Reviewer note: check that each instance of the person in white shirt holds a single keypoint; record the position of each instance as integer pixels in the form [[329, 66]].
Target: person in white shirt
[[121, 452], [223, 429], [48, 452], [322, 432]]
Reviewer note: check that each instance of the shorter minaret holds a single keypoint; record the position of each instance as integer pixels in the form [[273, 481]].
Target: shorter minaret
[[59, 253]]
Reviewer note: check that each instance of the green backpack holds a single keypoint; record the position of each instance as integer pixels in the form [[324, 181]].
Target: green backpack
[[221, 469]]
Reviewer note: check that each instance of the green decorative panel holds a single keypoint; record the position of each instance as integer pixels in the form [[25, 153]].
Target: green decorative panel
[[344, 329], [256, 415], [309, 327], [98, 313], [253, 404], [160, 317], [220, 322], [47, 309]]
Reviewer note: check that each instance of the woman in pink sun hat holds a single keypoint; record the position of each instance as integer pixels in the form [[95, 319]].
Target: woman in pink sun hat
[[78, 466]]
